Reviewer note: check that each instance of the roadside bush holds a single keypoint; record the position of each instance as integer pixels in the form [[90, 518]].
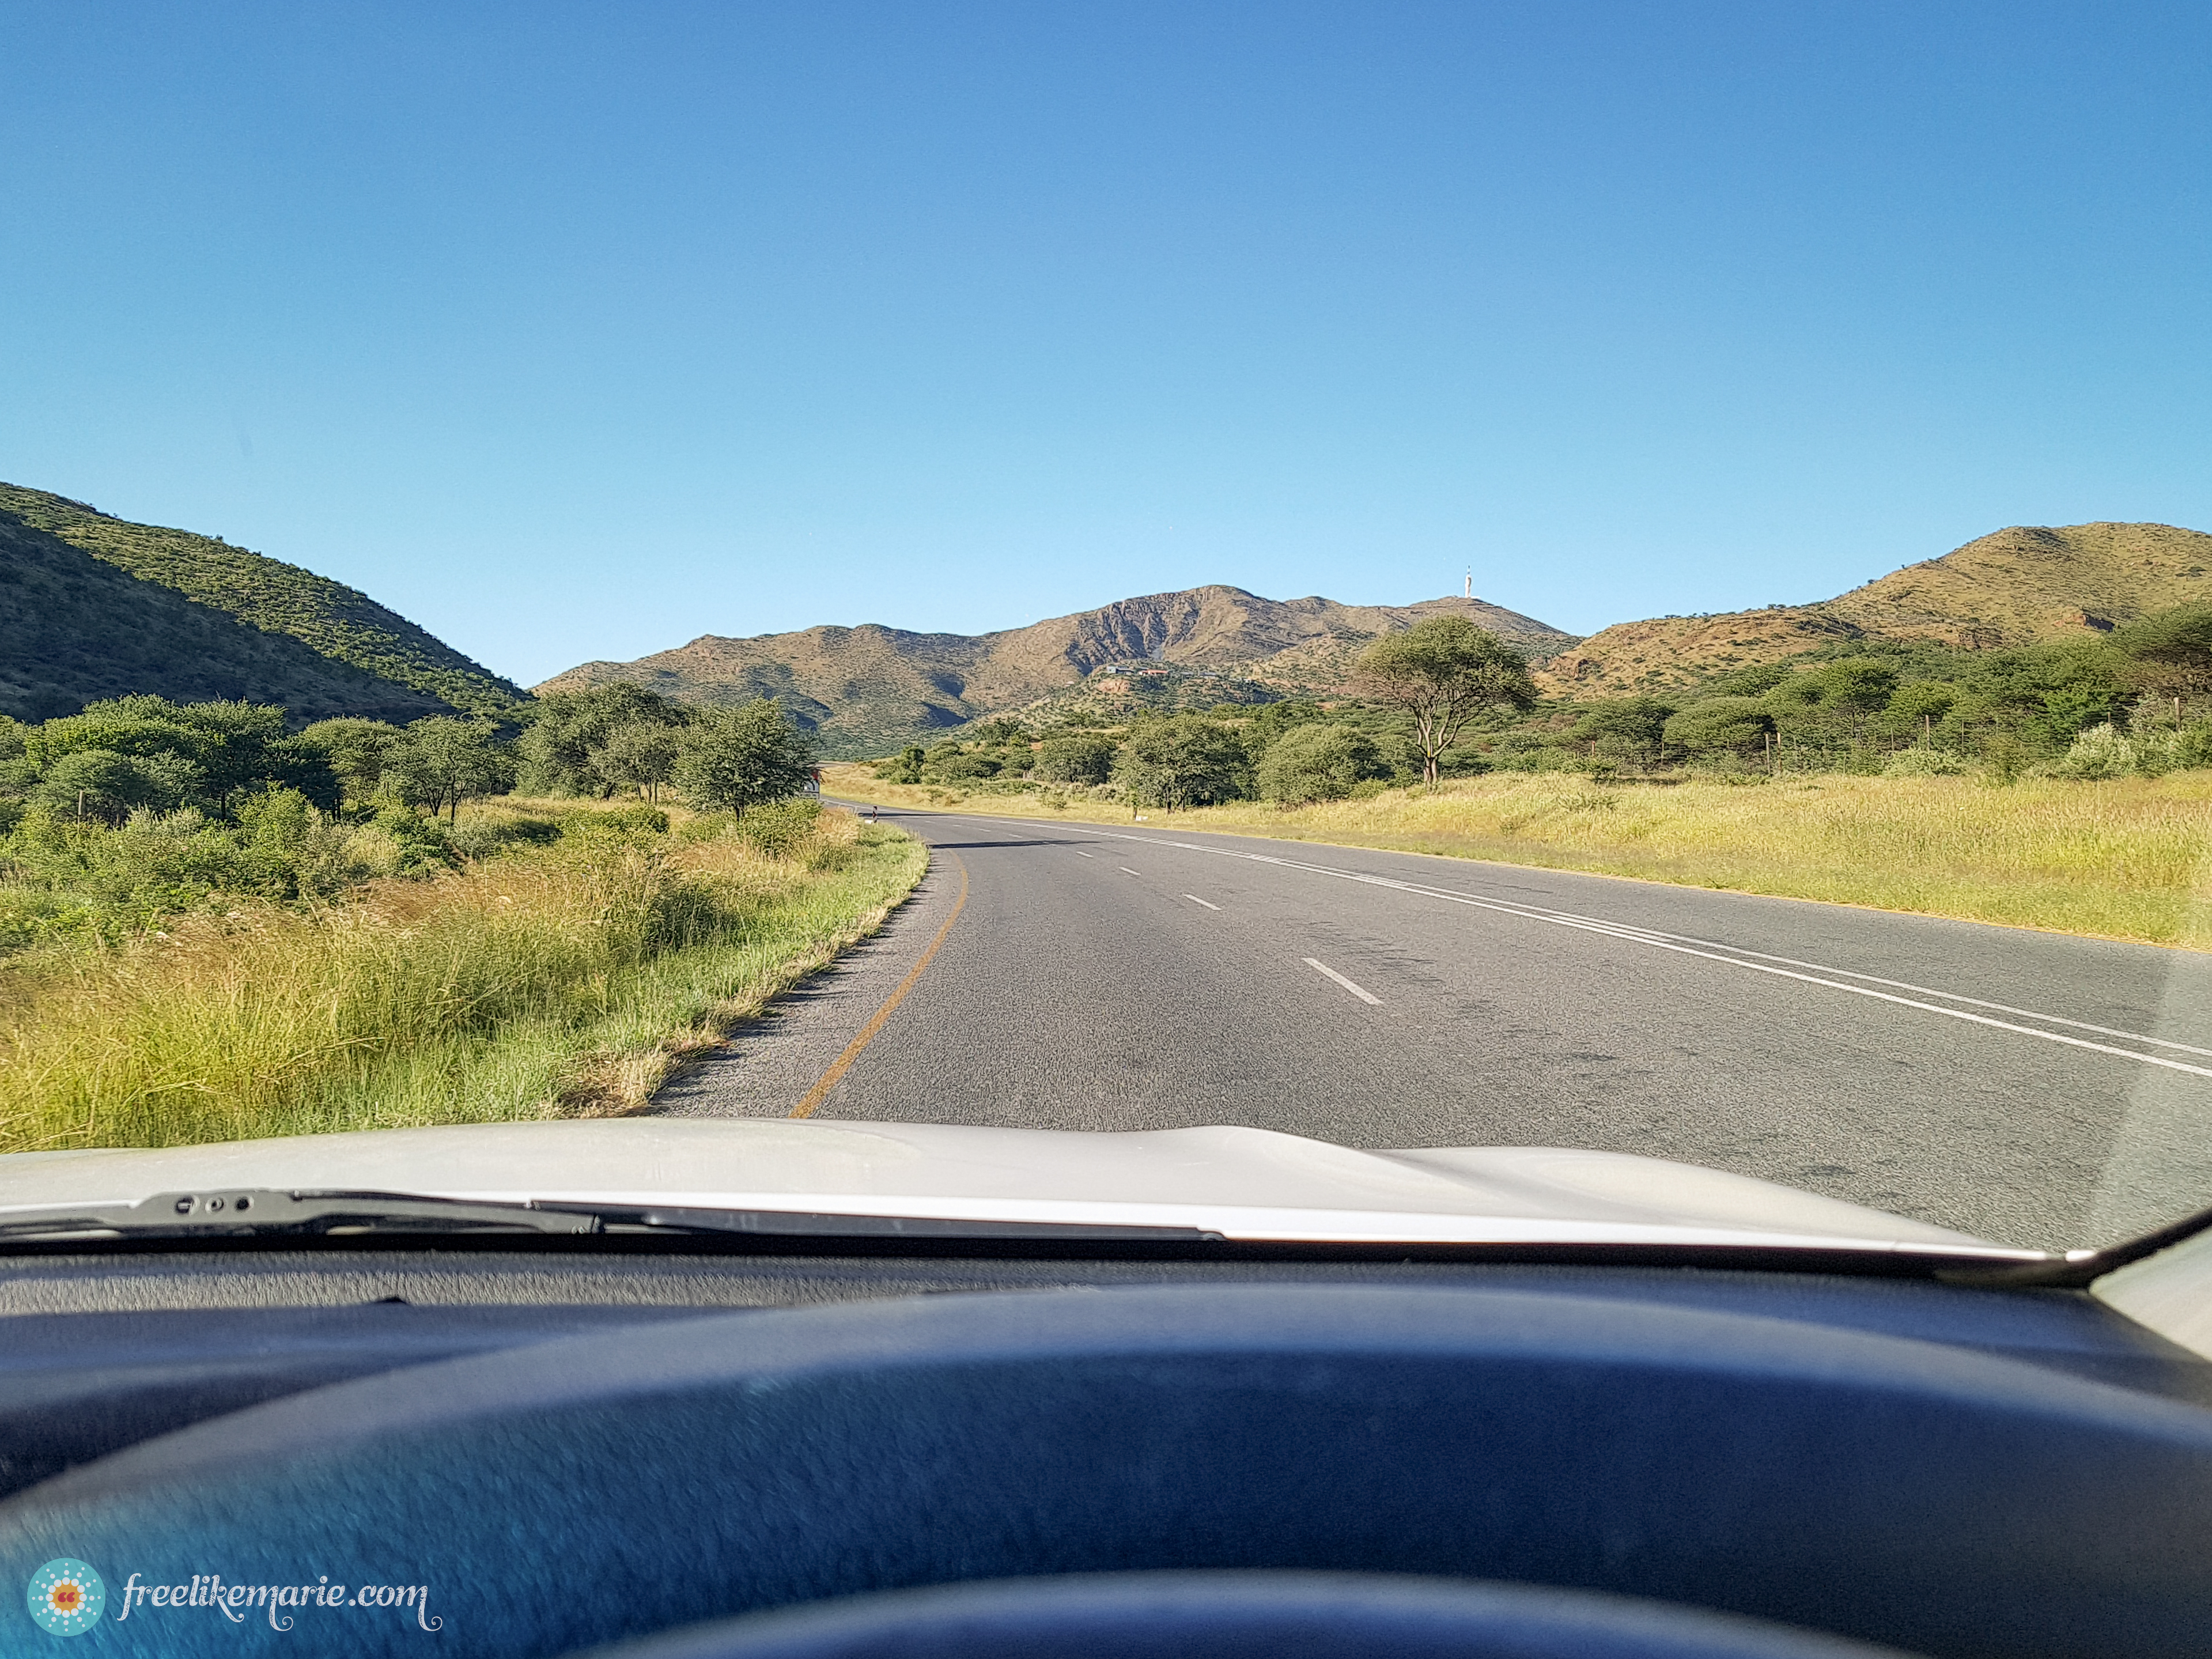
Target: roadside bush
[[1075, 760], [62, 874], [781, 828], [487, 837], [2099, 752], [1720, 727], [2103, 752], [1532, 751], [733, 760], [419, 845], [621, 821], [1921, 763], [1311, 763], [905, 766], [1184, 761], [1917, 708], [1625, 730], [960, 766]]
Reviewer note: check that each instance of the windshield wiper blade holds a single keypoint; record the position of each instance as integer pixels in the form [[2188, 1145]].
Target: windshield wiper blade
[[245, 1212], [800, 1224], [256, 1211]]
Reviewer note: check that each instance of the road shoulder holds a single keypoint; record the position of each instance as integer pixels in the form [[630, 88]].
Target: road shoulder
[[766, 1067]]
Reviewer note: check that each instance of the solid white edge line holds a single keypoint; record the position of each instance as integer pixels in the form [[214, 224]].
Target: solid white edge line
[[1194, 899], [1368, 997], [1655, 941], [1656, 935]]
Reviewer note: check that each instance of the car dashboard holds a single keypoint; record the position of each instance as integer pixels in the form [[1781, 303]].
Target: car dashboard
[[747, 1451]]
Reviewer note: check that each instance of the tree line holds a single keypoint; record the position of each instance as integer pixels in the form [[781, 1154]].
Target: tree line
[[138, 808], [1445, 699], [1421, 690], [149, 755], [2132, 699]]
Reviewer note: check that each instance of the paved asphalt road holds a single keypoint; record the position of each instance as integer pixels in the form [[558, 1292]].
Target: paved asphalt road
[[1135, 977]]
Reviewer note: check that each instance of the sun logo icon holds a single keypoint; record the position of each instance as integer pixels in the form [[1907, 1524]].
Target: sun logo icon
[[66, 1597]]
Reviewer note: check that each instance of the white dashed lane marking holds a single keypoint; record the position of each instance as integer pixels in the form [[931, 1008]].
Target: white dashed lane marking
[[1757, 962], [1365, 996]]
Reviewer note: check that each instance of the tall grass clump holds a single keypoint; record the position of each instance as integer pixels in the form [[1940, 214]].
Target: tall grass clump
[[560, 979]]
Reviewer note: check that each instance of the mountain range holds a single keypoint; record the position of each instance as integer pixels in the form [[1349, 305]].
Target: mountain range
[[96, 606], [867, 689]]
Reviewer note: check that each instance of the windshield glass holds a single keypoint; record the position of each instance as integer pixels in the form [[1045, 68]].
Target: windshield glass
[[1427, 605]]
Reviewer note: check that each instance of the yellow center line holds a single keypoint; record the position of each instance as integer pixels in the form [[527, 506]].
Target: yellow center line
[[843, 1063]]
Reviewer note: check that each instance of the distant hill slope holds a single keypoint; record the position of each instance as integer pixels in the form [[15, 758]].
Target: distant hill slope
[[399, 665], [74, 630], [868, 690], [2016, 586]]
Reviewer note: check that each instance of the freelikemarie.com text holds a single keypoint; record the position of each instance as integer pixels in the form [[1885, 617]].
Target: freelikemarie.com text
[[237, 1601]]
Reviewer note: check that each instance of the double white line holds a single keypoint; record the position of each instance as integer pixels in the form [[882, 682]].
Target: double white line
[[1757, 962]]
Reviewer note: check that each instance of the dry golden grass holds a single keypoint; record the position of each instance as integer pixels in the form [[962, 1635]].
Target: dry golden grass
[[561, 981], [2128, 858]]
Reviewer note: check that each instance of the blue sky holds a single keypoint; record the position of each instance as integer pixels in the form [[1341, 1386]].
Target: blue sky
[[578, 331]]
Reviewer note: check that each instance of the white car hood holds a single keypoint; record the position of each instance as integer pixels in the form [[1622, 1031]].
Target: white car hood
[[1242, 1184]]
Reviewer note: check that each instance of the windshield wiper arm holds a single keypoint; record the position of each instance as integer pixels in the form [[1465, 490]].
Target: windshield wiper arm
[[261, 1212], [256, 1210]]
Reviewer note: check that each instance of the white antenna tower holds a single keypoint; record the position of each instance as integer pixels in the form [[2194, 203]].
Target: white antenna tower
[[1470, 581]]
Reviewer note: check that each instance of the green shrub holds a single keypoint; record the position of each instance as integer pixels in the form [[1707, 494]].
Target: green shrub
[[1310, 763], [2099, 752], [617, 820], [1716, 729], [1075, 760], [780, 828], [1923, 762], [905, 766], [488, 837], [959, 767], [419, 845]]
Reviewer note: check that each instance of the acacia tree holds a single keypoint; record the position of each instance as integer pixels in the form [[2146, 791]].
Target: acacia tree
[[442, 761], [1714, 727], [1444, 671], [2171, 651], [1075, 760], [1184, 761], [566, 727], [1625, 728], [729, 759], [356, 751], [641, 754], [102, 785]]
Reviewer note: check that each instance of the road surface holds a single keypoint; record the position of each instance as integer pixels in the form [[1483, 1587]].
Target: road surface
[[2030, 1088]]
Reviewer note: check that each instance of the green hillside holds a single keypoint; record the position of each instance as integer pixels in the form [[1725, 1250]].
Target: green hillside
[[75, 630], [335, 622]]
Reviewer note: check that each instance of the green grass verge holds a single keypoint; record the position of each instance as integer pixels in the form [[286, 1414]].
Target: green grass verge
[[557, 982]]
